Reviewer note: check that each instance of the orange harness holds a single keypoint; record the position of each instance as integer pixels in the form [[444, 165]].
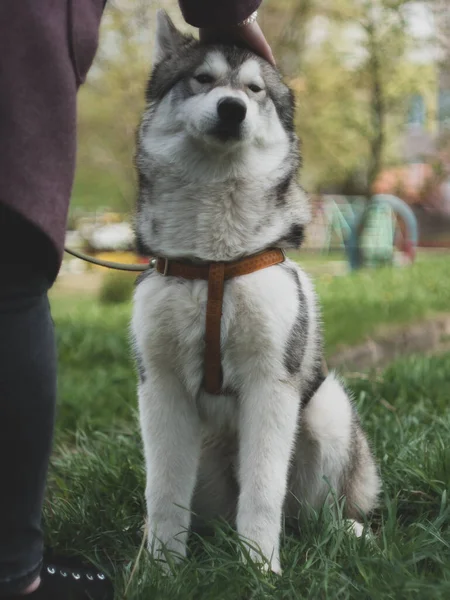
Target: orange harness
[[216, 273]]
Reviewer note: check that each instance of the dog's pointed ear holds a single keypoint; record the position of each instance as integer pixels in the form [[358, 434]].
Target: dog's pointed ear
[[168, 38]]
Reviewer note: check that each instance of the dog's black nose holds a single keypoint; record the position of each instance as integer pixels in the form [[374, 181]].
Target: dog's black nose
[[231, 110]]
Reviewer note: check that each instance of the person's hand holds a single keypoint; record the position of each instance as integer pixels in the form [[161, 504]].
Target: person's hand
[[250, 35]]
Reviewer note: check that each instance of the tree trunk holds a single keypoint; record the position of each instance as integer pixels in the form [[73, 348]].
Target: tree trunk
[[378, 114]]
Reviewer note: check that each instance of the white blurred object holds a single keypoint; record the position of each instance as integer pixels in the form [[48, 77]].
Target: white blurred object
[[74, 239], [117, 236], [77, 266], [73, 266], [400, 259]]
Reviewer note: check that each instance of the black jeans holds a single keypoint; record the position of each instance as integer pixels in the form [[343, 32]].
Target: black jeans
[[27, 403]]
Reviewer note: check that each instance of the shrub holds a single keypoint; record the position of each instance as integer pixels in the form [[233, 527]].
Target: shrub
[[117, 287]]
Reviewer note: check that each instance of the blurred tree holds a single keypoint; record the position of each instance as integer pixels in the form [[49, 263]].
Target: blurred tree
[[441, 11], [361, 93], [363, 77], [288, 25], [385, 72], [111, 102], [348, 62]]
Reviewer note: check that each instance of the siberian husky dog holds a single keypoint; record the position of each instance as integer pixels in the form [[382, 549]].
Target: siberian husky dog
[[217, 160]]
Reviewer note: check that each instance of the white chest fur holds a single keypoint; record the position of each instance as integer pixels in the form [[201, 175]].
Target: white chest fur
[[259, 311]]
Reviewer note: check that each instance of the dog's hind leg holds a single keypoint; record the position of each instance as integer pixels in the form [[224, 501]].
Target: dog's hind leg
[[216, 492], [332, 455], [172, 438]]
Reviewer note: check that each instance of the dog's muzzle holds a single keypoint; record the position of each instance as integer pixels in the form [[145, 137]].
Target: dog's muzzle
[[231, 114]]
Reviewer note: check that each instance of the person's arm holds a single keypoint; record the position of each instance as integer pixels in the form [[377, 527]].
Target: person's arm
[[217, 13], [225, 20]]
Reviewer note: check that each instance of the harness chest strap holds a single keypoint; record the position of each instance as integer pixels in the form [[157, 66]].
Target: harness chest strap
[[216, 273]]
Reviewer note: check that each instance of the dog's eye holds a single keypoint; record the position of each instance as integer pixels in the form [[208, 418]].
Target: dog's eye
[[255, 88], [204, 78]]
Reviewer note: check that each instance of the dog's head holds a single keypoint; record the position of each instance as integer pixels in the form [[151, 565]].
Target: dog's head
[[217, 95], [217, 155]]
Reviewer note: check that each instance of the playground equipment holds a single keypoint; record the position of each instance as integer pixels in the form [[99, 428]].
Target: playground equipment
[[389, 227]]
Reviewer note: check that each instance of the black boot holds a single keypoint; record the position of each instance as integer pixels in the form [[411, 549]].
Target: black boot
[[62, 582]]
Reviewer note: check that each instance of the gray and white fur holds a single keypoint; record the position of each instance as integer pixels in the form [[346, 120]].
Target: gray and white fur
[[217, 159]]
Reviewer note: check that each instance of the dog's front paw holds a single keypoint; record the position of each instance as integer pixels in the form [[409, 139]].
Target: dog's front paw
[[252, 554], [156, 548], [354, 527], [165, 548], [357, 529]]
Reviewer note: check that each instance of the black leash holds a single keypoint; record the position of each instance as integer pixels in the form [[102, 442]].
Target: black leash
[[106, 263]]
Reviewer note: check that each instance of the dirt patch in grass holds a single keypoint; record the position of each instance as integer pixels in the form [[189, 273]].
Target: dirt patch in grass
[[432, 335]]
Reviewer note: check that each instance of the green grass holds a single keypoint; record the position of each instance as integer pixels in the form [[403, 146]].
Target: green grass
[[95, 500], [358, 305]]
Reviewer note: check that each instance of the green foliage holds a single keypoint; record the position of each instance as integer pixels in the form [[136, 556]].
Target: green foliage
[[326, 50], [117, 287], [355, 86], [98, 188], [110, 105]]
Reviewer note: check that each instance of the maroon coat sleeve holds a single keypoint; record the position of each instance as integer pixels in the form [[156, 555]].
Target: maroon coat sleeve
[[46, 48], [214, 13]]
